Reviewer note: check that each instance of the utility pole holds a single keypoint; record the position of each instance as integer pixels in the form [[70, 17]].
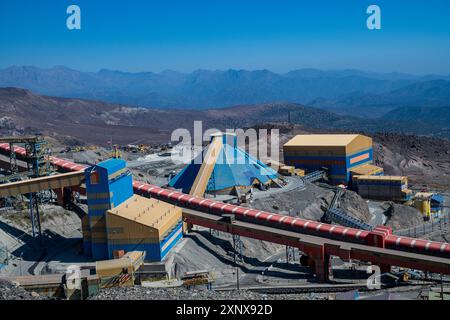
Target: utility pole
[[20, 263], [237, 278]]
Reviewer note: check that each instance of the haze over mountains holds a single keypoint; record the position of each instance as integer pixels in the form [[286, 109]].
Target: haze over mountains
[[352, 92], [433, 93]]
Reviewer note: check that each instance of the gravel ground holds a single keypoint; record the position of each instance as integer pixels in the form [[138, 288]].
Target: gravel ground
[[142, 293], [304, 203], [353, 204], [307, 203], [10, 291], [199, 251], [439, 235], [401, 216], [425, 160], [60, 240]]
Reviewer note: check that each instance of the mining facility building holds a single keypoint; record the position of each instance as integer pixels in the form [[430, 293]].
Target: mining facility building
[[130, 220], [342, 154], [118, 220], [230, 168]]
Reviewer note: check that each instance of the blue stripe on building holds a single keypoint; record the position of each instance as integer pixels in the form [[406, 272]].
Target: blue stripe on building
[[120, 189], [341, 167], [153, 251]]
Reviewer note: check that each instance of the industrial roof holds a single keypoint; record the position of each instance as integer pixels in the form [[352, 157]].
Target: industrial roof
[[437, 197], [112, 164], [366, 169], [234, 167], [145, 211], [112, 264], [325, 140], [381, 178]]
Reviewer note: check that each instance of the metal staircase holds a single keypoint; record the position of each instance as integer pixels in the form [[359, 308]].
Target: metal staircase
[[333, 214], [339, 216], [315, 176]]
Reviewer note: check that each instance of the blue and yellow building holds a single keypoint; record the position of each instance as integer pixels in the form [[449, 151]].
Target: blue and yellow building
[[119, 220], [143, 224], [233, 168], [339, 153]]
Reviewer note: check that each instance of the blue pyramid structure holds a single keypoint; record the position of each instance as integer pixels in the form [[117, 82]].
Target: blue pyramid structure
[[234, 168]]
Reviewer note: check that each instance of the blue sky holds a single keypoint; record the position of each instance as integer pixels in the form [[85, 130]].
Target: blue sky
[[184, 35]]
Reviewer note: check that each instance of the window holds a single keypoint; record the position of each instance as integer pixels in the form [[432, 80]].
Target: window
[[94, 177]]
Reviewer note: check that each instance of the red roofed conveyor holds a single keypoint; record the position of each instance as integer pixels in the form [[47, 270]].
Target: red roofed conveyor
[[381, 236]]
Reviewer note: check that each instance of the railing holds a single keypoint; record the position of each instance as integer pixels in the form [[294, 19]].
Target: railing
[[339, 216], [426, 228], [336, 198], [314, 176]]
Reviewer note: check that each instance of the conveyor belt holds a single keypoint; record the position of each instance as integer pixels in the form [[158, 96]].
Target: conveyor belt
[[43, 183], [204, 174], [307, 243], [380, 237]]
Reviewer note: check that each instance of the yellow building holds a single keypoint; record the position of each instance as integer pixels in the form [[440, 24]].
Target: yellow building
[[394, 188], [339, 153], [144, 224]]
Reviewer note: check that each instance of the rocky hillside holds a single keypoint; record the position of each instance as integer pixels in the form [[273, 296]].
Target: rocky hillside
[[97, 122], [425, 160]]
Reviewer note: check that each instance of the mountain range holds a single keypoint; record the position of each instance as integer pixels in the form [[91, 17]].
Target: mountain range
[[433, 93], [368, 94]]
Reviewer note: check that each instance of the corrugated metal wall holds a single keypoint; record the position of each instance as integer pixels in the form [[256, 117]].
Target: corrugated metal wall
[[107, 185], [338, 159], [382, 189]]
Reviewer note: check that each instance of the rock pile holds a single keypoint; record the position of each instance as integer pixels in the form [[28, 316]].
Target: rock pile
[[142, 293], [11, 291]]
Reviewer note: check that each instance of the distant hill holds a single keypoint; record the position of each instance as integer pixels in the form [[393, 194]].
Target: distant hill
[[421, 94], [204, 88], [425, 114], [97, 122]]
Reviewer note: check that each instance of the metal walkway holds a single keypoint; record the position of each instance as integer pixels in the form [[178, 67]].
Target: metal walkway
[[43, 183], [204, 174], [333, 214], [337, 197], [313, 245], [314, 176], [339, 216]]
